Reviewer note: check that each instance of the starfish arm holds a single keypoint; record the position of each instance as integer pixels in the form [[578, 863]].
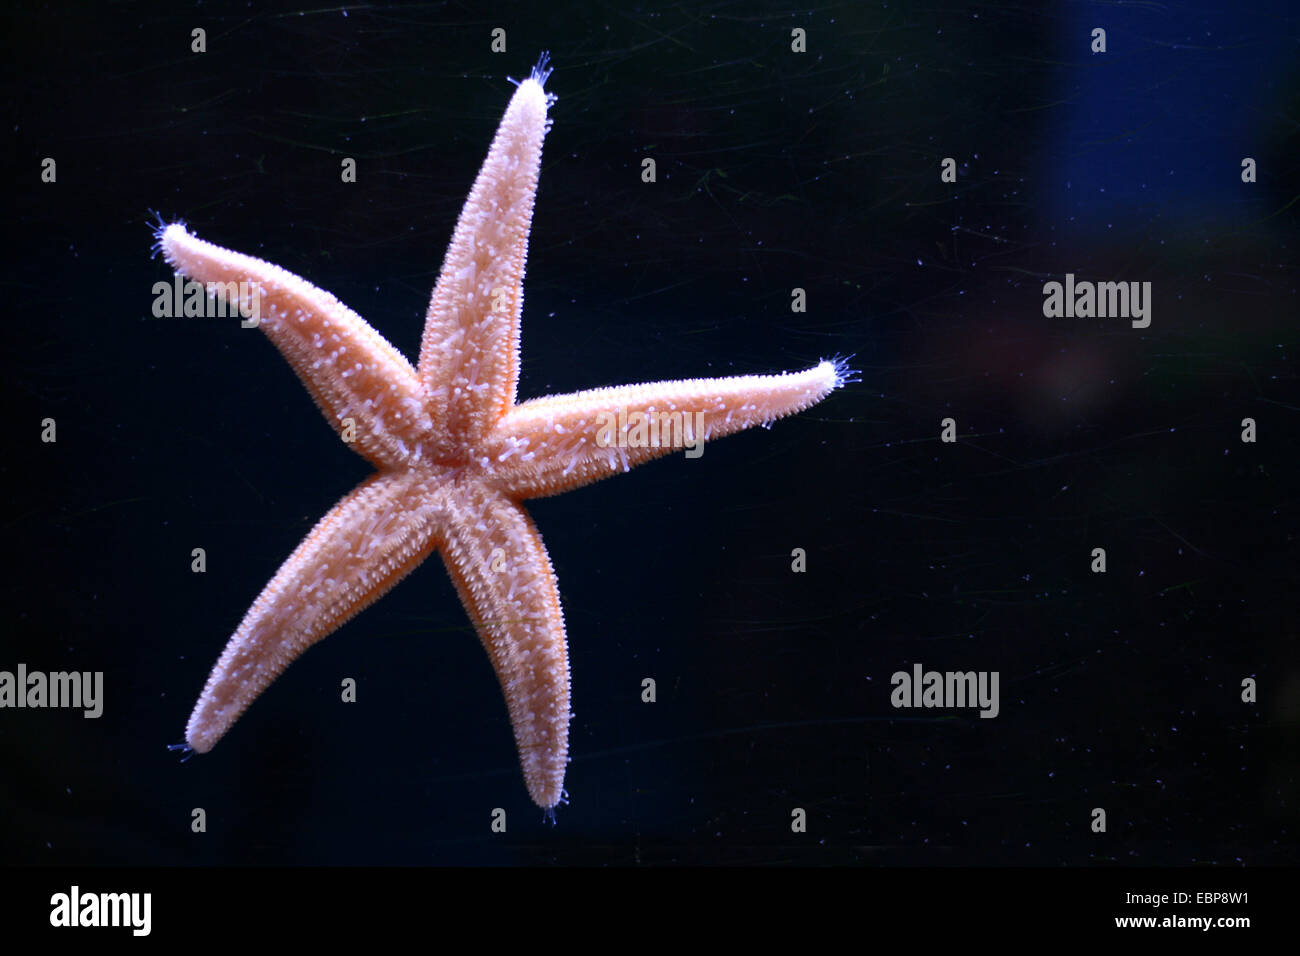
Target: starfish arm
[[504, 577], [351, 371], [549, 445], [362, 547], [469, 356]]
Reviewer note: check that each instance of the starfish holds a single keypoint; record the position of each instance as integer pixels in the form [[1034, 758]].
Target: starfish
[[455, 454]]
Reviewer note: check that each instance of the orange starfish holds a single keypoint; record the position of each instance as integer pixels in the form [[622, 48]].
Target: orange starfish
[[455, 454]]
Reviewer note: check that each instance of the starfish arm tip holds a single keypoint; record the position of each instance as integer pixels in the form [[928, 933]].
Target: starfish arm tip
[[531, 94], [838, 370], [199, 736], [167, 235], [540, 73]]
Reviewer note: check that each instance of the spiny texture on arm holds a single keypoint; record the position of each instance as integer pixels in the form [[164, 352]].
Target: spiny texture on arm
[[350, 369], [504, 577], [549, 445], [362, 547], [469, 357]]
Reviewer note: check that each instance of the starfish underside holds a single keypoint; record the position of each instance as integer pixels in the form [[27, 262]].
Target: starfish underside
[[455, 454]]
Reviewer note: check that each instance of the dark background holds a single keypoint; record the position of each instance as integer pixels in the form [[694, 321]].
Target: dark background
[[776, 170]]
